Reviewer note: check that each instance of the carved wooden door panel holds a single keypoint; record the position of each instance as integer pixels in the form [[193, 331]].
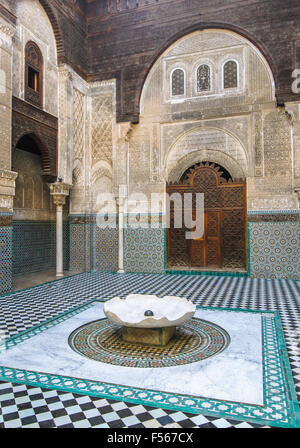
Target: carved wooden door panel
[[206, 251], [213, 239]]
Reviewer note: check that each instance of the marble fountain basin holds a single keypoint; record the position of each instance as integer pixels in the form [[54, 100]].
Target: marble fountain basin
[[148, 319]]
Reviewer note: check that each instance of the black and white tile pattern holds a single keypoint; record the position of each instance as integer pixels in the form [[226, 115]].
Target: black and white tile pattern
[[27, 406]]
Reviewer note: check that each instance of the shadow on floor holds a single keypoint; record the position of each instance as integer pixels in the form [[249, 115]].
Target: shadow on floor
[[37, 278]]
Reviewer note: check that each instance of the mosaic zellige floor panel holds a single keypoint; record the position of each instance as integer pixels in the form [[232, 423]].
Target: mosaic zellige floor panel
[[29, 406]]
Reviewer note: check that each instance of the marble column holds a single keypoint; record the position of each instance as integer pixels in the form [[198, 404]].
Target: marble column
[[59, 192], [121, 200]]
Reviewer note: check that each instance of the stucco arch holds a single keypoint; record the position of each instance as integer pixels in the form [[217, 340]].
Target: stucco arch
[[206, 144], [228, 27], [203, 156], [257, 79]]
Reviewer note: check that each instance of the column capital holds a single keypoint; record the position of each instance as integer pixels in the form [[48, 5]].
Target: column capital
[[59, 192], [7, 189]]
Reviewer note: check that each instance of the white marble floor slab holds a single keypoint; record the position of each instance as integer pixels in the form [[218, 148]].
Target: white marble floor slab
[[235, 375]]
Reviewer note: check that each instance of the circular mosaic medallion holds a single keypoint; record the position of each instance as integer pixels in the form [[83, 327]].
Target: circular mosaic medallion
[[193, 341]]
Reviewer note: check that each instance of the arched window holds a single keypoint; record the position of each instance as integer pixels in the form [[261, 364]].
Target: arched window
[[177, 82], [33, 74], [203, 78], [230, 75]]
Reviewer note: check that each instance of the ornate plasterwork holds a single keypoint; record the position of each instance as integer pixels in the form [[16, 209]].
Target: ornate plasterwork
[[204, 155], [214, 48], [101, 132], [206, 144], [277, 150], [59, 192], [7, 189], [6, 30], [79, 125], [238, 127], [273, 203], [258, 148]]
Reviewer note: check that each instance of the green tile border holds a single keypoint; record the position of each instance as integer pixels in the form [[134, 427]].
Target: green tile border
[[275, 361]]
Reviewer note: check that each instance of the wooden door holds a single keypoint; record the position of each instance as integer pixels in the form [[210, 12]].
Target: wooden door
[[206, 251]]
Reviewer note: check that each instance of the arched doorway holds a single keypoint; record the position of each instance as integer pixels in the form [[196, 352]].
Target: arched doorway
[[34, 212], [223, 245]]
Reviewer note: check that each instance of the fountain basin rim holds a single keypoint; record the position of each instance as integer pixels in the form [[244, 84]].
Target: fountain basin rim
[[170, 311]]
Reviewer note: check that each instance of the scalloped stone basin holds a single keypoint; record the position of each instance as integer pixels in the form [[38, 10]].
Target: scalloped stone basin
[[156, 329]]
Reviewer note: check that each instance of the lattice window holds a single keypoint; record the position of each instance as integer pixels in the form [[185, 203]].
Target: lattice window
[[203, 78], [178, 82], [230, 75], [33, 74]]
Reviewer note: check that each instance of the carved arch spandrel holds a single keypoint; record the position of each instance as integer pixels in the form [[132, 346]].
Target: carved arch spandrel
[[206, 143]]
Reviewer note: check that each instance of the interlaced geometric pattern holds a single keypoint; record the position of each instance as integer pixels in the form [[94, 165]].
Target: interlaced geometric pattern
[[203, 78], [178, 82], [230, 75], [194, 341], [78, 114], [102, 116]]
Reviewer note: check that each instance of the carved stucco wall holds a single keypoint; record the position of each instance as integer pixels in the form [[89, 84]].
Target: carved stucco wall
[[274, 187], [240, 129], [92, 121], [213, 47], [6, 34], [93, 161], [34, 25], [87, 132], [32, 199], [102, 118], [206, 143]]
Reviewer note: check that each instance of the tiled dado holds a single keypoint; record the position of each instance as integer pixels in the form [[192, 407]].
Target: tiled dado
[[5, 252], [144, 244], [34, 246], [274, 244], [144, 250], [92, 246]]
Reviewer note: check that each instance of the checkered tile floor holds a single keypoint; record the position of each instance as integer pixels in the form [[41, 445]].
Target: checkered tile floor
[[27, 406]]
